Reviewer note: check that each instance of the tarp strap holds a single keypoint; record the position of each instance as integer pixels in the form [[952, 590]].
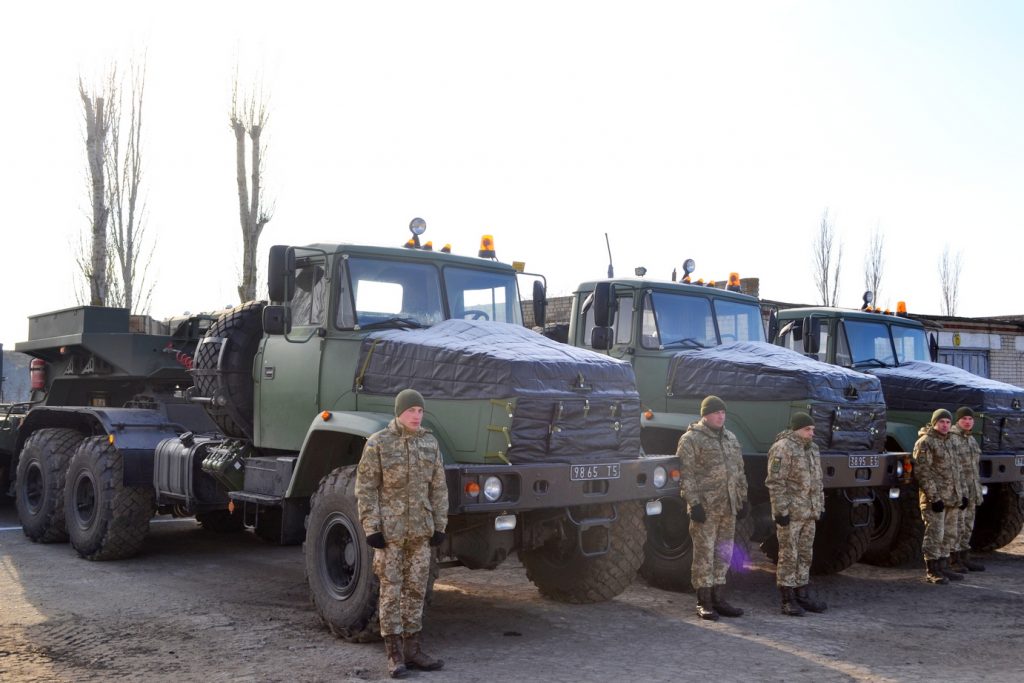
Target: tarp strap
[[366, 364]]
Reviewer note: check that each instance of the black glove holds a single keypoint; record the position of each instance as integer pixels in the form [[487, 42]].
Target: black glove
[[697, 514], [964, 503], [938, 506], [438, 538], [744, 511], [376, 540], [782, 520]]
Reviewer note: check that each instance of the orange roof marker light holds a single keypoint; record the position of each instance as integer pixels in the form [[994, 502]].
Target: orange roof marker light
[[734, 282], [446, 249], [901, 309], [487, 247]]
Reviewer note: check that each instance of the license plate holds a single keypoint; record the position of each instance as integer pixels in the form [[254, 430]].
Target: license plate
[[588, 472], [863, 461], [1018, 461]]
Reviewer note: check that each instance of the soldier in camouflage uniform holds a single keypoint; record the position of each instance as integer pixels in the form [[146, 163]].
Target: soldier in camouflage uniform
[[940, 492], [798, 502], [403, 508], [969, 455], [715, 489]]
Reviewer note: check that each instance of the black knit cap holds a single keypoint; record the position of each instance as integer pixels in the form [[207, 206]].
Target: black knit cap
[[407, 398], [964, 411], [711, 404], [940, 414], [800, 420]]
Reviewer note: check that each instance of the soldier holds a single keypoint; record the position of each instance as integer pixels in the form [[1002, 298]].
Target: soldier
[[715, 489], [798, 501], [969, 455], [940, 494], [403, 508]]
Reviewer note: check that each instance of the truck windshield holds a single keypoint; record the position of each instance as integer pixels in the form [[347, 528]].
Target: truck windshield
[[911, 344], [482, 295], [869, 344], [688, 322], [386, 293]]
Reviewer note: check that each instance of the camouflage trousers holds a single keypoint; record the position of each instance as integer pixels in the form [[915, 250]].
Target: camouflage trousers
[[712, 549], [941, 530], [403, 568], [965, 528], [796, 548]]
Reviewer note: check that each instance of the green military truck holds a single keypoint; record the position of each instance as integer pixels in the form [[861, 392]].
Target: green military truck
[[898, 351], [541, 443], [686, 341]]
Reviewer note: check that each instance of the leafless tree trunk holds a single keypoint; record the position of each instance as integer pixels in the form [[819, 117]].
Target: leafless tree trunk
[[97, 128], [249, 119], [828, 257], [949, 277], [874, 263]]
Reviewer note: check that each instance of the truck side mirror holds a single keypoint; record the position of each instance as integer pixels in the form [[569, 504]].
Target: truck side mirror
[[281, 273], [773, 326], [540, 303], [277, 319], [602, 304], [933, 347], [601, 338], [812, 334]]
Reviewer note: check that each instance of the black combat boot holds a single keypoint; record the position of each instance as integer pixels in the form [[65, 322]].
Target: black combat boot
[[955, 565], [973, 565], [947, 572], [396, 659], [932, 574], [415, 658], [790, 607], [804, 599], [705, 604], [721, 606]]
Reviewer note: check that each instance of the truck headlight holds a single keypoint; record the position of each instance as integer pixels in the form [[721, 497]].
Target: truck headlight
[[492, 488], [660, 477]]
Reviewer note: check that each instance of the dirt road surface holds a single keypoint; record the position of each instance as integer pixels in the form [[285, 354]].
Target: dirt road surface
[[196, 606]]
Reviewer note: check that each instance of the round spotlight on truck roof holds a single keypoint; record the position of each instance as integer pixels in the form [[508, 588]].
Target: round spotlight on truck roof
[[417, 226], [688, 266]]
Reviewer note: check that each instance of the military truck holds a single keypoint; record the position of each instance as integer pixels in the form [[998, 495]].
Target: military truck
[[686, 341], [901, 354], [541, 443]]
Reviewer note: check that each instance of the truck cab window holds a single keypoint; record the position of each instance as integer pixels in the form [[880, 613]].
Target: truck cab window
[[390, 293], [308, 303]]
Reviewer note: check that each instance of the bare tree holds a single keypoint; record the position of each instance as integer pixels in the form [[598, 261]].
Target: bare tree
[[249, 117], [828, 257], [111, 264], [94, 266], [874, 263], [949, 278]]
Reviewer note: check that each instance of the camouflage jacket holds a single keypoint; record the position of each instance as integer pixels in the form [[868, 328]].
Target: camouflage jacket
[[711, 469], [936, 467], [968, 456], [794, 477], [400, 484]]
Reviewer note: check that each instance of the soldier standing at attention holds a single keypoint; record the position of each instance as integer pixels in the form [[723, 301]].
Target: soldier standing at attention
[[798, 501], [403, 508], [715, 489], [940, 494], [969, 455]]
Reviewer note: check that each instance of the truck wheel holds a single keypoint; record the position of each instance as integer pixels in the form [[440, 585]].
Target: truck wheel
[[106, 519], [999, 519], [240, 330], [221, 521], [837, 543], [668, 552], [39, 485], [562, 573], [896, 531], [339, 564]]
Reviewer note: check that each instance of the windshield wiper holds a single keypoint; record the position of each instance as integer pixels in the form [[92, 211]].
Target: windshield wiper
[[871, 361], [393, 322], [688, 342]]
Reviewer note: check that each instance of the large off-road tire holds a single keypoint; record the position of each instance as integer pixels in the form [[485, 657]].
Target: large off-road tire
[[563, 573], [837, 543], [896, 531], [339, 564], [668, 552], [106, 519], [999, 519], [239, 332], [221, 521], [39, 487]]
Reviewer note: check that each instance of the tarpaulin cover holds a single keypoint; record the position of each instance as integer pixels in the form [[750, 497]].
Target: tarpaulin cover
[[919, 385], [571, 404], [751, 371], [847, 427]]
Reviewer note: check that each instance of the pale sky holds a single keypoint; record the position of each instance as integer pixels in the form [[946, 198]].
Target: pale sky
[[714, 131]]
